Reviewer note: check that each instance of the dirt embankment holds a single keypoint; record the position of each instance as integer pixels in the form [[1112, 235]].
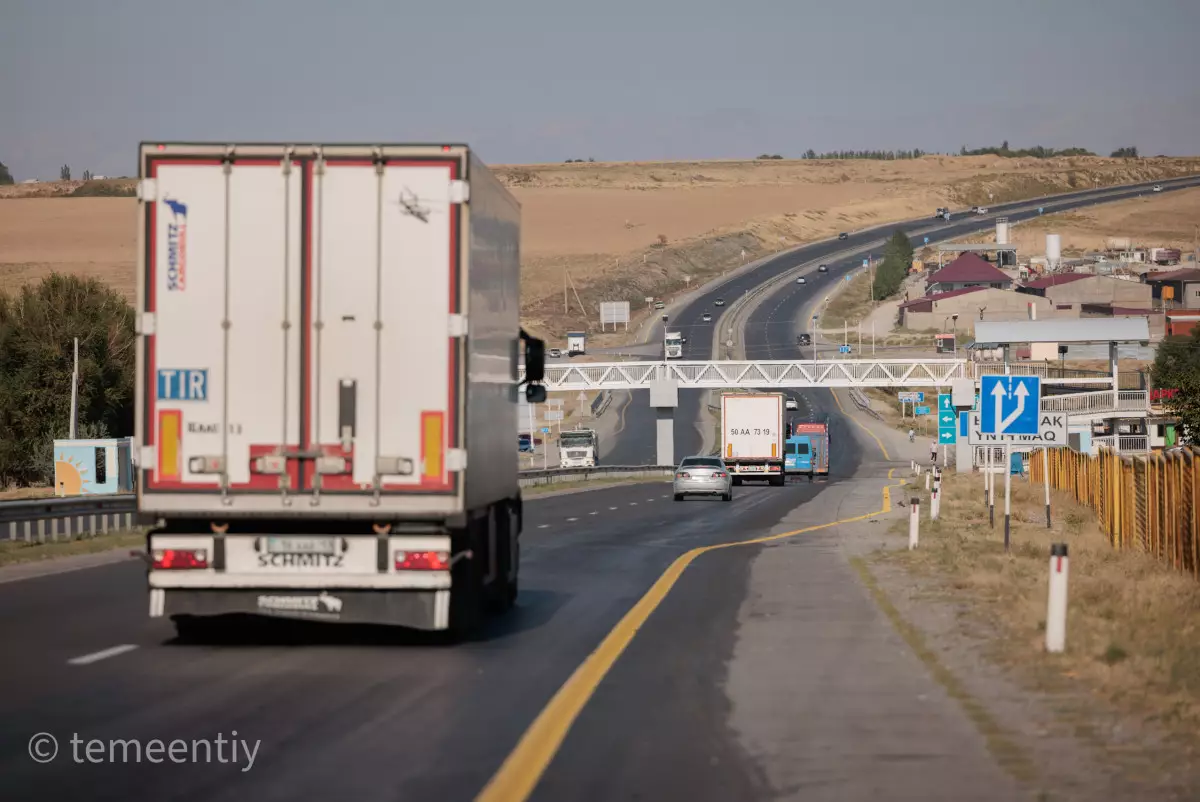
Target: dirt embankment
[[614, 231]]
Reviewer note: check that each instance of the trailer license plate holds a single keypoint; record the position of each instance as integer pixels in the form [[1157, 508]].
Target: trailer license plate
[[302, 545]]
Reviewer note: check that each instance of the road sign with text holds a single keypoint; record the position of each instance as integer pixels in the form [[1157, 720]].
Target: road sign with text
[[1009, 405], [920, 410], [1052, 432], [911, 397]]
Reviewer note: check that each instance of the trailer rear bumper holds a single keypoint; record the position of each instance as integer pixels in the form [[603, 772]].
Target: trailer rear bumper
[[417, 609]]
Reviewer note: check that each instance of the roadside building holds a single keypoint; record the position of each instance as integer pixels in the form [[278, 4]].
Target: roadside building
[[965, 272], [1176, 289], [971, 305], [1072, 292]]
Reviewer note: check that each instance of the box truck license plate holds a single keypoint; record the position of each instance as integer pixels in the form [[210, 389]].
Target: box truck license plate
[[302, 545]]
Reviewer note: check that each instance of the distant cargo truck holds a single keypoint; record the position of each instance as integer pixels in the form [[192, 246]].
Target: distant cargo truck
[[326, 383], [752, 436], [807, 449]]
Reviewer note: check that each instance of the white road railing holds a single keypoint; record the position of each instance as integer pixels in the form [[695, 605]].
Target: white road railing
[[1133, 401]]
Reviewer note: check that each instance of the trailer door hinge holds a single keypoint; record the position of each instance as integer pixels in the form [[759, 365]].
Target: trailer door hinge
[[458, 325], [456, 459], [144, 323], [147, 190], [460, 191]]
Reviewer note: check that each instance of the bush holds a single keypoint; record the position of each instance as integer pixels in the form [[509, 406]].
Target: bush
[[37, 328], [5, 175], [109, 188]]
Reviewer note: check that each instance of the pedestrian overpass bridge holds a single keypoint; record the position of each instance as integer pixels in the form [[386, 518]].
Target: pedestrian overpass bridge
[[665, 378], [800, 374]]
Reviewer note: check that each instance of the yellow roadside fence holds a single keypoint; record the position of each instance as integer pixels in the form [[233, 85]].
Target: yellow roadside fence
[[1145, 502]]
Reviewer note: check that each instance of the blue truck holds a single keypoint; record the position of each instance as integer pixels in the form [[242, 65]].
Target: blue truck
[[806, 449]]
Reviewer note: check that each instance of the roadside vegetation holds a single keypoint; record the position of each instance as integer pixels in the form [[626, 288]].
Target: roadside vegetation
[[1133, 646], [37, 327], [852, 301], [1177, 367], [18, 551]]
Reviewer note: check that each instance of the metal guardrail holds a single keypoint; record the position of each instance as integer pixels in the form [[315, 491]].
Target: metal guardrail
[[66, 518], [564, 475], [52, 519], [862, 402], [1098, 402]]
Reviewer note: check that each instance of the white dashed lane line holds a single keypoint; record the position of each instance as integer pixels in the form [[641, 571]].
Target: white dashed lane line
[[104, 654], [543, 526], [569, 520], [612, 508], [593, 513]]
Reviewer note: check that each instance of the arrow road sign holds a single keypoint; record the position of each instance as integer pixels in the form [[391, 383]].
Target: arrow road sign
[[1010, 404], [947, 433], [1052, 432]]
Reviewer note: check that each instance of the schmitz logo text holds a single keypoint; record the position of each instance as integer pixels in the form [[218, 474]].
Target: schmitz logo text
[[176, 246], [300, 560]]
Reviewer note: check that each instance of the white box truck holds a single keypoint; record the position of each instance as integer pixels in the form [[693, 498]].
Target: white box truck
[[673, 345], [327, 383], [752, 436]]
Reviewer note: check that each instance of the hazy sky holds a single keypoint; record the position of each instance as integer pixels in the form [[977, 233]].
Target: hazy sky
[[83, 81]]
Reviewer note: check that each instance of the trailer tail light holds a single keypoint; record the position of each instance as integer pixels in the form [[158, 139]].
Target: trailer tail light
[[179, 559], [422, 560], [206, 464]]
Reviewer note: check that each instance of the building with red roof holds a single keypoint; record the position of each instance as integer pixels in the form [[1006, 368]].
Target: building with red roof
[[968, 270]]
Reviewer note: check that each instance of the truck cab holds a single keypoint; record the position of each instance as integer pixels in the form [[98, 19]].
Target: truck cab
[[673, 345], [578, 448], [806, 451]]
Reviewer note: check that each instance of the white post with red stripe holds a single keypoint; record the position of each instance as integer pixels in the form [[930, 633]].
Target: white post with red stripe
[[1056, 608]]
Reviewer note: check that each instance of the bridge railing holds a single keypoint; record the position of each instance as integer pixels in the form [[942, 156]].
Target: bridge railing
[[1098, 401]]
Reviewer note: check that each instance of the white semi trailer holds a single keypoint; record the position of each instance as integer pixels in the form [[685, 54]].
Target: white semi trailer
[[327, 383]]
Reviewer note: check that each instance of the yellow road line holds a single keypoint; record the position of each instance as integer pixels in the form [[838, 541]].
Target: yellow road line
[[861, 425], [525, 765]]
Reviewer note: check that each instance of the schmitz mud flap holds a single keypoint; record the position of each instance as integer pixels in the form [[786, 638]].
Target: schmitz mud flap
[[418, 609]]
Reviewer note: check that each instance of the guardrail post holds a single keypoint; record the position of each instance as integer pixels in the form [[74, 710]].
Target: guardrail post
[[1056, 605], [914, 522], [926, 481]]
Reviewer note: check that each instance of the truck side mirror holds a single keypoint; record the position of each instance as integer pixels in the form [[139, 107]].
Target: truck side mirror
[[535, 368]]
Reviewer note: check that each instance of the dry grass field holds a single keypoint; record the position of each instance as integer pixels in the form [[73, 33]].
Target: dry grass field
[[618, 231], [1169, 220]]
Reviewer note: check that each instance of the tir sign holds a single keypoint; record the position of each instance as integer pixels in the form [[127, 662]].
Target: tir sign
[[182, 385]]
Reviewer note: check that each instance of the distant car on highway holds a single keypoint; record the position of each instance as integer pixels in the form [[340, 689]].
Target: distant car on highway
[[719, 302], [706, 317], [659, 305], [803, 339], [1158, 188], [822, 268], [941, 211], [555, 353], [791, 404], [981, 210], [702, 476], [802, 280], [843, 235]]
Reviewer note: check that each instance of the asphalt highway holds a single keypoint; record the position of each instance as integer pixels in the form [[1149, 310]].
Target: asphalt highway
[[360, 713], [770, 332]]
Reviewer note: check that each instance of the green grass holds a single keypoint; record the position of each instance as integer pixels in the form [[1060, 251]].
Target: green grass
[[18, 551]]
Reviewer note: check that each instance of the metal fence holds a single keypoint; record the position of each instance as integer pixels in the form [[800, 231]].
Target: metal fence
[[1144, 502]]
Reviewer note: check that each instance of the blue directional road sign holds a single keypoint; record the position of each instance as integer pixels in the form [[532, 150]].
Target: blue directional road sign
[[947, 433], [964, 422], [866, 263], [927, 240], [1009, 404], [845, 349], [545, 430], [920, 410]]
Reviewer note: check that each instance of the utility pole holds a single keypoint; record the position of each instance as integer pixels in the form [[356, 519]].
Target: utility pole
[[75, 391]]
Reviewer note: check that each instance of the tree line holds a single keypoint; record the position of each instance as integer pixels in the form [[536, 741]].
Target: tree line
[[38, 325], [890, 273]]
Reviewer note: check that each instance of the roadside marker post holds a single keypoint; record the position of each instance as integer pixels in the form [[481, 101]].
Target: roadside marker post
[[1007, 492], [914, 522], [1056, 605], [1046, 477], [926, 481]]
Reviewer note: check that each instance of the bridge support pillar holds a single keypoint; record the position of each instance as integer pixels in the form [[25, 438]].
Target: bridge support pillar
[[664, 397]]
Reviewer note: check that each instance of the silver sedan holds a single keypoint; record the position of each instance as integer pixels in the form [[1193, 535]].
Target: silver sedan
[[703, 476]]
